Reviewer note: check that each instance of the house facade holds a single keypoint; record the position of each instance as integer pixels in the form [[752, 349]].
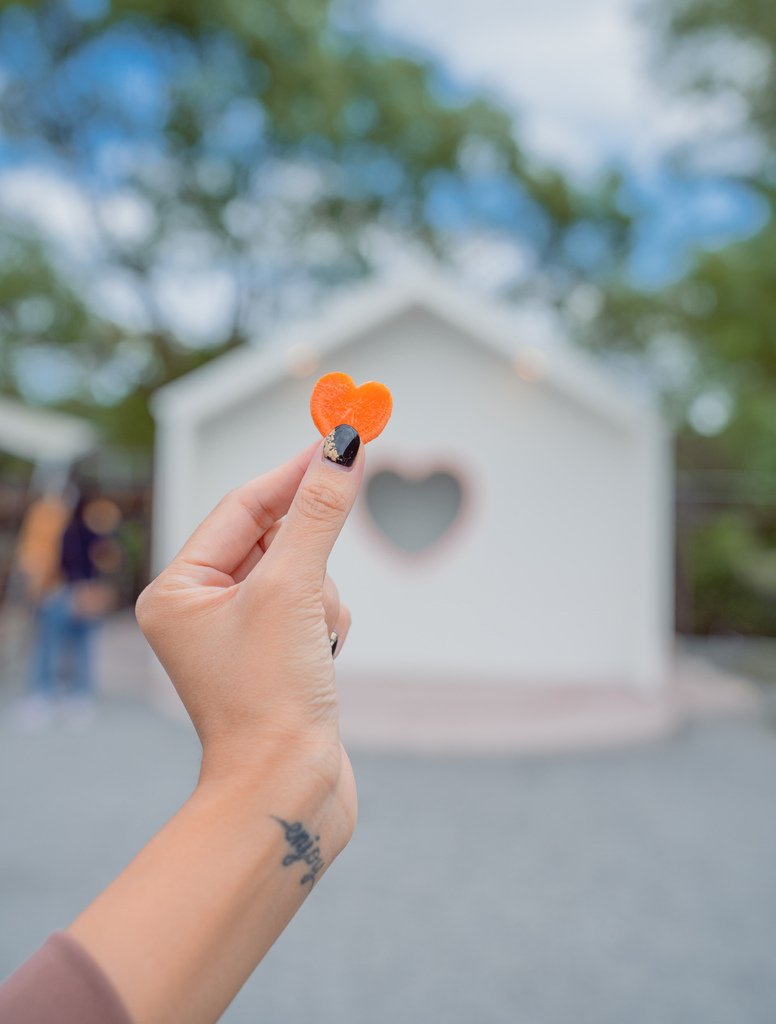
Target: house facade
[[515, 519]]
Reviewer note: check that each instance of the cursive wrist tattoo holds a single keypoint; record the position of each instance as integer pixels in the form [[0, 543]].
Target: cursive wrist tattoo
[[304, 848]]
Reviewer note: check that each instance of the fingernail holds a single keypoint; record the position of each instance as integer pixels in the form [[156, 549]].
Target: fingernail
[[333, 641], [341, 445]]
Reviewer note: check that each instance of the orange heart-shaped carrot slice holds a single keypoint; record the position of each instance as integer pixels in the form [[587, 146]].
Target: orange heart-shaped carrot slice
[[336, 400]]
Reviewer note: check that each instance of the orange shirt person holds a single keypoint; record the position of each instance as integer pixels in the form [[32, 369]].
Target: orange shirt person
[[38, 549]]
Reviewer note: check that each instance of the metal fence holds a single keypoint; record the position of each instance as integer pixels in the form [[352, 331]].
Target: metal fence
[[726, 553]]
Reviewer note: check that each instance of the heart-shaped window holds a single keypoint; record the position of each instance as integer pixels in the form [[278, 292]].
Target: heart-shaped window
[[414, 512]]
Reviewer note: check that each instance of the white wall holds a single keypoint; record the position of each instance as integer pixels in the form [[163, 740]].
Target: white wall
[[554, 573]]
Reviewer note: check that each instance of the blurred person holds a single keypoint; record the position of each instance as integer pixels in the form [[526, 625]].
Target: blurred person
[[35, 577], [36, 562], [246, 622], [76, 598]]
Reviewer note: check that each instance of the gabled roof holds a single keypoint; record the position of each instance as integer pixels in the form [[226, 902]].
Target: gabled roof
[[530, 338], [42, 435]]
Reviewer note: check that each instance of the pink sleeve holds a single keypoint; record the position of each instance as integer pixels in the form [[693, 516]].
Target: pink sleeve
[[60, 984]]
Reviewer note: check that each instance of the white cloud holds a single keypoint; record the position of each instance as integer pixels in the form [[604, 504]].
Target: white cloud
[[56, 206], [127, 217], [490, 263], [115, 295], [197, 304], [575, 71]]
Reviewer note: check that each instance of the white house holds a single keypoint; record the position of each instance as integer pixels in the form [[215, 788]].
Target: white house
[[515, 519]]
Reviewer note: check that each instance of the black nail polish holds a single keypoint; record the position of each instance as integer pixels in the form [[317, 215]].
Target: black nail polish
[[341, 445], [333, 641]]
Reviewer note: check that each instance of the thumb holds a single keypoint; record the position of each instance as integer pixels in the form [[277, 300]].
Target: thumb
[[320, 507]]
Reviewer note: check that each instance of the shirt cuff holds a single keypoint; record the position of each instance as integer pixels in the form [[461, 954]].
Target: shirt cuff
[[61, 984]]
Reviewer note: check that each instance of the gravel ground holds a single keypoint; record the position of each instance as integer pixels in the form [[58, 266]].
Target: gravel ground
[[636, 886]]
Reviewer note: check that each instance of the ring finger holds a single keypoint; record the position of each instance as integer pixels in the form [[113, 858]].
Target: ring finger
[[331, 603], [340, 632]]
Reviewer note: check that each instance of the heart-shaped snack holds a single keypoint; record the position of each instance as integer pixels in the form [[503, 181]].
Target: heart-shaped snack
[[336, 400]]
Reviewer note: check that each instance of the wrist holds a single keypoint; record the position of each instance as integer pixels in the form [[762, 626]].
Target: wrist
[[300, 779], [250, 758], [219, 883]]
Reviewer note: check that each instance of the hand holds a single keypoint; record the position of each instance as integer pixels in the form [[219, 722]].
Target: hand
[[241, 621]]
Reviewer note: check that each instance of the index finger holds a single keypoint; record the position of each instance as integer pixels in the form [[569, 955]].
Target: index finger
[[224, 539]]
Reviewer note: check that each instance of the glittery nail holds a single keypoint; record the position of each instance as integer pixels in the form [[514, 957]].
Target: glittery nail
[[333, 641], [341, 445]]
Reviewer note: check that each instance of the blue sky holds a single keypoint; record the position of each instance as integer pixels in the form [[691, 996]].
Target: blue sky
[[576, 72], [582, 77], [579, 75]]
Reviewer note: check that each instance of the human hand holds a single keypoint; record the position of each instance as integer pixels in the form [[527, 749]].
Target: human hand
[[241, 620]]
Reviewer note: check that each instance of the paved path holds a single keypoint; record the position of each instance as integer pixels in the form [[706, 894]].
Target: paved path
[[630, 887]]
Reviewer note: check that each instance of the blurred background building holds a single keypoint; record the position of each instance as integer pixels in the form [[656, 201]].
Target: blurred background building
[[522, 494]]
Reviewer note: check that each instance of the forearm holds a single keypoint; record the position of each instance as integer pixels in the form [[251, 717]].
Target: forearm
[[241, 620], [181, 929]]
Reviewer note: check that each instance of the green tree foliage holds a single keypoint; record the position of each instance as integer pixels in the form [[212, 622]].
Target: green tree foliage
[[724, 308], [723, 48], [724, 51], [242, 155], [714, 331]]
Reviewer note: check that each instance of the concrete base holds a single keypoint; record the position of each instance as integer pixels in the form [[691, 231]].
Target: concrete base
[[429, 717], [490, 719]]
